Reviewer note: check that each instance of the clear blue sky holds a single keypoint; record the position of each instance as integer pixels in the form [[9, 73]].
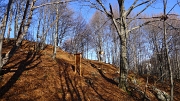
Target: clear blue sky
[[154, 9]]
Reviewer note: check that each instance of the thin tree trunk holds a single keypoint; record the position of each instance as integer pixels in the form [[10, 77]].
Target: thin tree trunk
[[177, 64], [9, 27], [178, 68], [1, 43], [56, 34], [38, 44], [16, 21], [2, 32], [169, 66], [166, 51], [134, 57], [87, 49], [5, 19]]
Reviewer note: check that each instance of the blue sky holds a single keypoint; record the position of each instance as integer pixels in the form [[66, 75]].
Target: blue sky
[[154, 9]]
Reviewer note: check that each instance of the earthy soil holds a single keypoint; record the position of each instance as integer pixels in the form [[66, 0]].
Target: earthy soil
[[35, 76]]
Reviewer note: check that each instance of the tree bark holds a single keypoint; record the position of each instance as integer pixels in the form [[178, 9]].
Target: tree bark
[[123, 64]]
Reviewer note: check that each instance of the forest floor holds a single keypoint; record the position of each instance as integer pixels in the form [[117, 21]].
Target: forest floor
[[30, 76]]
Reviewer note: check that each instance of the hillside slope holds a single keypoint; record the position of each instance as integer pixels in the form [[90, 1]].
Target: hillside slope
[[37, 77]]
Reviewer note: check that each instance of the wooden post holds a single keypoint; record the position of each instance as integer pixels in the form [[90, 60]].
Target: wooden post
[[78, 63]]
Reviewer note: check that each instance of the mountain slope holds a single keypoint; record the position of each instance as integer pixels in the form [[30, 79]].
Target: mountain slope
[[37, 77]]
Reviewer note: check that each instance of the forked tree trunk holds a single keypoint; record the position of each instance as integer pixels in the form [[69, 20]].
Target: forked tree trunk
[[122, 30]]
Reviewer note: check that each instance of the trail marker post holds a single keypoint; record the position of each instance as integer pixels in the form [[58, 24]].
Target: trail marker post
[[78, 63]]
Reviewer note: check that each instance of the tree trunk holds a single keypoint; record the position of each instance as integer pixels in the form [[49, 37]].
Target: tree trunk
[[9, 27], [5, 19], [16, 21], [123, 49], [1, 43], [178, 68], [134, 49], [38, 42], [166, 52], [56, 34], [2, 32], [122, 32], [123, 64], [177, 64]]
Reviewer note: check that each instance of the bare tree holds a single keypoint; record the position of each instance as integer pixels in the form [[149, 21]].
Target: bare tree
[[2, 31], [121, 26], [98, 24], [79, 35], [166, 49], [56, 32]]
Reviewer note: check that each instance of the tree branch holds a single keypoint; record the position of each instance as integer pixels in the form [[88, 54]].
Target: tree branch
[[142, 25], [131, 8], [142, 3], [58, 2], [93, 5], [141, 12], [114, 20], [107, 13], [178, 3]]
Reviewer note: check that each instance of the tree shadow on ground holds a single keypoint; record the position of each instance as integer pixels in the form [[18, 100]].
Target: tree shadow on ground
[[21, 68], [70, 87], [102, 74], [71, 84]]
